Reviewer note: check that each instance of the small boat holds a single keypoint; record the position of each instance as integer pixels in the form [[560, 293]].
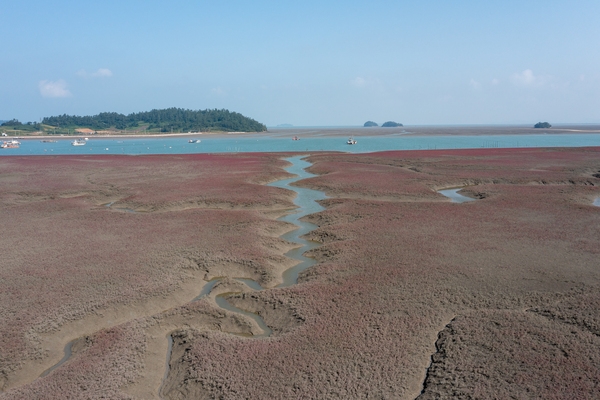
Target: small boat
[[78, 142], [351, 141], [11, 144], [295, 138], [49, 141], [194, 141]]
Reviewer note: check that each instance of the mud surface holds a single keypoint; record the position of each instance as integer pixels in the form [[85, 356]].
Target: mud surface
[[76, 269], [412, 296]]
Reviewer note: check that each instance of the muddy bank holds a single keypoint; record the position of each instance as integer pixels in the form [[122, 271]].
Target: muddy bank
[[401, 267], [77, 268], [412, 295]]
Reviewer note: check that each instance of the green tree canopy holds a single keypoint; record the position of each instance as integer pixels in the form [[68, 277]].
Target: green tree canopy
[[170, 119], [12, 122]]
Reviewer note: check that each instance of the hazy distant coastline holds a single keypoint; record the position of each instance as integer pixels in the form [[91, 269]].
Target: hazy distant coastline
[[434, 130]]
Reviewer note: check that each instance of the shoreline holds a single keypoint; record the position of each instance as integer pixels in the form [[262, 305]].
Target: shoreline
[[419, 130], [128, 136]]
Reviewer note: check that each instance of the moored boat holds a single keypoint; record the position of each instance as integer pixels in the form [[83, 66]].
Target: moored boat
[[351, 141], [78, 142], [10, 144], [194, 141]]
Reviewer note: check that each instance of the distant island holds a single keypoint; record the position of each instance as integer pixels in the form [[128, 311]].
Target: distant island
[[542, 125], [388, 124], [391, 124], [174, 120]]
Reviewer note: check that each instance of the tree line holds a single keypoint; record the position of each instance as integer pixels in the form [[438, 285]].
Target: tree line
[[16, 124], [166, 120]]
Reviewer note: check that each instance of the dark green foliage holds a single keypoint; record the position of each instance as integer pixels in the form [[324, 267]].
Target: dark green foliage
[[370, 123], [167, 120], [391, 124], [17, 125], [542, 125], [12, 122]]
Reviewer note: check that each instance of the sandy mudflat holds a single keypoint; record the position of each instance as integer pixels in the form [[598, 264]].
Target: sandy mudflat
[[412, 296]]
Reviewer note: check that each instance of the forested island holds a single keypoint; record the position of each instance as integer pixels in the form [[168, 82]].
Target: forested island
[[542, 125], [173, 120], [388, 124]]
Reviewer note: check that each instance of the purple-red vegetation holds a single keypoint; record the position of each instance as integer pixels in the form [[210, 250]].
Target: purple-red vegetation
[[67, 255], [513, 355], [413, 295], [102, 364], [400, 264]]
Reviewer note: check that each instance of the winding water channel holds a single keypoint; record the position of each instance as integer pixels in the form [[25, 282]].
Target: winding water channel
[[456, 197], [306, 201]]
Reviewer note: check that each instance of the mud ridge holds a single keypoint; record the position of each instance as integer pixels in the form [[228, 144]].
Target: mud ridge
[[438, 351]]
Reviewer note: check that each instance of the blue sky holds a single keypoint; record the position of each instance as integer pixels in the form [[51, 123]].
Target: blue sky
[[305, 63]]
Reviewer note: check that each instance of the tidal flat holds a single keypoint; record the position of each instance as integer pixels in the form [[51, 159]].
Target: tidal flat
[[412, 296]]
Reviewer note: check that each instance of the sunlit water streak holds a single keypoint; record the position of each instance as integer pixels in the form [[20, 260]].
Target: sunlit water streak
[[455, 196]]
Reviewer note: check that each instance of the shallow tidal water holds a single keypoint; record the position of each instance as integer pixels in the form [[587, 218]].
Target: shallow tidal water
[[455, 196], [267, 142]]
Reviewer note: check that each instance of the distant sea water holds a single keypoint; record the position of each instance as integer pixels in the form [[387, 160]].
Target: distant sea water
[[277, 142]]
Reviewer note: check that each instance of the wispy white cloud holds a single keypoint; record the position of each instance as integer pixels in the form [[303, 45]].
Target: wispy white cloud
[[54, 88], [99, 73], [218, 91], [474, 84], [527, 78], [495, 82], [371, 83], [358, 82]]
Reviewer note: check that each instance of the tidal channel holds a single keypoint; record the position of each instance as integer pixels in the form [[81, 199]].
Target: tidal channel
[[306, 201]]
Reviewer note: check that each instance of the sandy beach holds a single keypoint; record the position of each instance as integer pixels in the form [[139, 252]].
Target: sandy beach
[[412, 296]]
